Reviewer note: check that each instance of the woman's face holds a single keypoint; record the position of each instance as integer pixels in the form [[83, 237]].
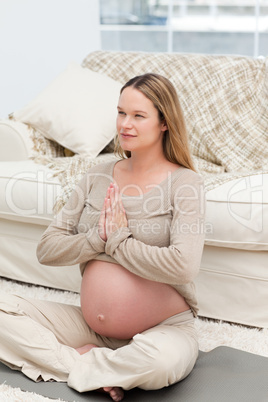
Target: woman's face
[[138, 123]]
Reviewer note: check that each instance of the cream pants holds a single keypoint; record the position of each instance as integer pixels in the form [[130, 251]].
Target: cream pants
[[39, 338]]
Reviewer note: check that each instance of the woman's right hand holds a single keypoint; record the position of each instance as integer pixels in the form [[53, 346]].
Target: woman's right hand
[[113, 215]]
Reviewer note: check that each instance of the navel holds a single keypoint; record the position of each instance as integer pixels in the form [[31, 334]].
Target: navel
[[100, 317]]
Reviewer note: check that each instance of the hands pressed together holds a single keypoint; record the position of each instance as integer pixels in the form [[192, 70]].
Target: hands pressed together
[[113, 215]]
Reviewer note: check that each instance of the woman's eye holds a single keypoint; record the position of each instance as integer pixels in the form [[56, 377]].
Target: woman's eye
[[139, 115], [120, 112]]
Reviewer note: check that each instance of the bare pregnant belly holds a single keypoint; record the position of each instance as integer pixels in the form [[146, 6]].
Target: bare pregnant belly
[[119, 304]]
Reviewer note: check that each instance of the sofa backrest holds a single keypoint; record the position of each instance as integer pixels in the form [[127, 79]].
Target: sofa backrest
[[224, 98]]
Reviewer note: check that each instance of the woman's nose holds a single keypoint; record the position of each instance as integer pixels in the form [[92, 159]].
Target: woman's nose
[[127, 122]]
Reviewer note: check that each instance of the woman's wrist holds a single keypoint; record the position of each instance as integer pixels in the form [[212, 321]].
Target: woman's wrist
[[96, 241]]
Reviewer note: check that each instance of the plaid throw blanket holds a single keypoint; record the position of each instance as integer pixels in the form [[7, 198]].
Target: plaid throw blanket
[[225, 102]]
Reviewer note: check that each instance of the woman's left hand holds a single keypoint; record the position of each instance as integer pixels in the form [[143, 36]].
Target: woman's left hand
[[115, 215]]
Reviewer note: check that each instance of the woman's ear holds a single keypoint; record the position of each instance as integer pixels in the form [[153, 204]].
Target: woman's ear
[[164, 126]]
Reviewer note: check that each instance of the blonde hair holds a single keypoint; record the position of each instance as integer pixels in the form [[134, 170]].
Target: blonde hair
[[164, 97]]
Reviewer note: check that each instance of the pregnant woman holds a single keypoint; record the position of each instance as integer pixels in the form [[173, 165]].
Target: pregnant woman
[[134, 226]]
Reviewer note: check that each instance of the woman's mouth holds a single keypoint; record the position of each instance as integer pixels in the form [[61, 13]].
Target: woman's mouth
[[125, 135]]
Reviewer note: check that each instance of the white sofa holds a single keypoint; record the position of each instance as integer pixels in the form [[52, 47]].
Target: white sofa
[[225, 100]]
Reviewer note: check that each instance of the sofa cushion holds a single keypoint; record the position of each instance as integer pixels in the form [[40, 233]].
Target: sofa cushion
[[77, 110], [28, 192], [237, 213]]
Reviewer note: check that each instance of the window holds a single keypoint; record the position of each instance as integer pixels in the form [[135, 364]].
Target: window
[[188, 26]]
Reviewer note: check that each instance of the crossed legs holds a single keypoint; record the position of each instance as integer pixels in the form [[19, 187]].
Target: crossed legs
[[40, 338]]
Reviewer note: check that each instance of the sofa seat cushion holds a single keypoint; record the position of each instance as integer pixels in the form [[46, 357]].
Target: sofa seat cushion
[[237, 213], [232, 285], [28, 192]]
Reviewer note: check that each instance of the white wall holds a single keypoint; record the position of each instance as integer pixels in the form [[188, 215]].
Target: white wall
[[38, 38]]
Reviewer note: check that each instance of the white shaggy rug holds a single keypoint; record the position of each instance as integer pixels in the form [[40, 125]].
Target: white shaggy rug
[[211, 334]]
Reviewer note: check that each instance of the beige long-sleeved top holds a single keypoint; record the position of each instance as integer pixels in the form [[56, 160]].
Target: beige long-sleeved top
[[164, 238]]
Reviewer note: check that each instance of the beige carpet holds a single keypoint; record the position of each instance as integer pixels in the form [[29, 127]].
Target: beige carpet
[[211, 334]]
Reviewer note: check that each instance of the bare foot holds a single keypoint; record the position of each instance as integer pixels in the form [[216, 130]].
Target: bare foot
[[116, 393], [86, 348]]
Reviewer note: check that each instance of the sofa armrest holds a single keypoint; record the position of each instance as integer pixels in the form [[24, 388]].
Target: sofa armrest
[[15, 141]]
